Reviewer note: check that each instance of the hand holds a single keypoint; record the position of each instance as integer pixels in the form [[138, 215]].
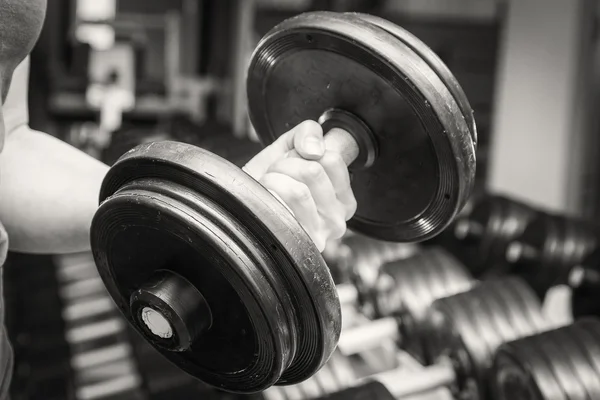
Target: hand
[[315, 186]]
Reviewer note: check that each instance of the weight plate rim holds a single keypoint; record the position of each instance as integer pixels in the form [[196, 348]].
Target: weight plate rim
[[577, 359], [453, 342], [506, 361], [250, 197], [460, 168], [434, 62]]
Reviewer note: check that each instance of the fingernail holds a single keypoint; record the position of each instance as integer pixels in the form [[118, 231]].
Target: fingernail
[[314, 146]]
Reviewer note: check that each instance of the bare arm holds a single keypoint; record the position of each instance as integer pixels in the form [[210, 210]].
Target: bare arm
[[48, 189]]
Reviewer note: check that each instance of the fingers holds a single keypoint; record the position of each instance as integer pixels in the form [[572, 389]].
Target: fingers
[[306, 138], [313, 175], [308, 141], [298, 197], [312, 182], [338, 173]]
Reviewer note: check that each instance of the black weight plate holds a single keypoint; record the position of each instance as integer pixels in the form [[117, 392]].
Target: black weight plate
[[554, 245], [469, 327], [485, 233], [417, 282], [276, 315], [423, 173], [558, 364]]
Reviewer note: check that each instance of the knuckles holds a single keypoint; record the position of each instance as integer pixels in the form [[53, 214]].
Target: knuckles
[[313, 171], [299, 193]]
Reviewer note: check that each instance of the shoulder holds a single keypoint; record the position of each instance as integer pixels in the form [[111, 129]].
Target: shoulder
[[15, 108]]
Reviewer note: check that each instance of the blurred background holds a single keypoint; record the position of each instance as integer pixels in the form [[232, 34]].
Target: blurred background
[[107, 75], [529, 69]]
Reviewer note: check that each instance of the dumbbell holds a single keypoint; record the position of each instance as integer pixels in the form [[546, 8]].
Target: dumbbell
[[562, 363], [403, 292], [354, 253], [214, 270], [463, 332], [485, 233], [364, 257], [549, 248]]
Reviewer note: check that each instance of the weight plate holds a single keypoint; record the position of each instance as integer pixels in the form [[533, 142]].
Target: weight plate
[[485, 233], [184, 235], [415, 283], [551, 245], [469, 327], [424, 164], [559, 363]]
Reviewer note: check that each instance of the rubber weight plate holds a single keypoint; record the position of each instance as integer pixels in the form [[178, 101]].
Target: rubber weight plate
[[410, 148], [549, 248], [562, 363], [486, 232], [213, 270], [469, 327], [407, 288]]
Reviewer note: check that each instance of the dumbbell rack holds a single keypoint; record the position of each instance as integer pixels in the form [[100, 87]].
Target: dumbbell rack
[[68, 339], [101, 356], [36, 330]]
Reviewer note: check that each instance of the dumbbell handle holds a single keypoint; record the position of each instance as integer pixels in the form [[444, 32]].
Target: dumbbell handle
[[518, 252], [361, 338], [466, 229], [338, 141], [347, 135]]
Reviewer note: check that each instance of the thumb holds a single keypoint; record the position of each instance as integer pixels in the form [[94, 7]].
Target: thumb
[[308, 141], [306, 137]]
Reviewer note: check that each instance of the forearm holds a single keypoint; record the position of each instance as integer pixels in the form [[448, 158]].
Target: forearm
[[48, 193]]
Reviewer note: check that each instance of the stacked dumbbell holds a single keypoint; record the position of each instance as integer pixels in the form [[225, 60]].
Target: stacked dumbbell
[[492, 342], [484, 234], [400, 296], [461, 334], [214, 271], [549, 248], [505, 236], [559, 363]]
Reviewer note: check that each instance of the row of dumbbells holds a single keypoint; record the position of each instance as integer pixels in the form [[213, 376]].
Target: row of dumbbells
[[470, 335], [102, 362], [502, 236], [36, 329], [404, 288], [68, 339]]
